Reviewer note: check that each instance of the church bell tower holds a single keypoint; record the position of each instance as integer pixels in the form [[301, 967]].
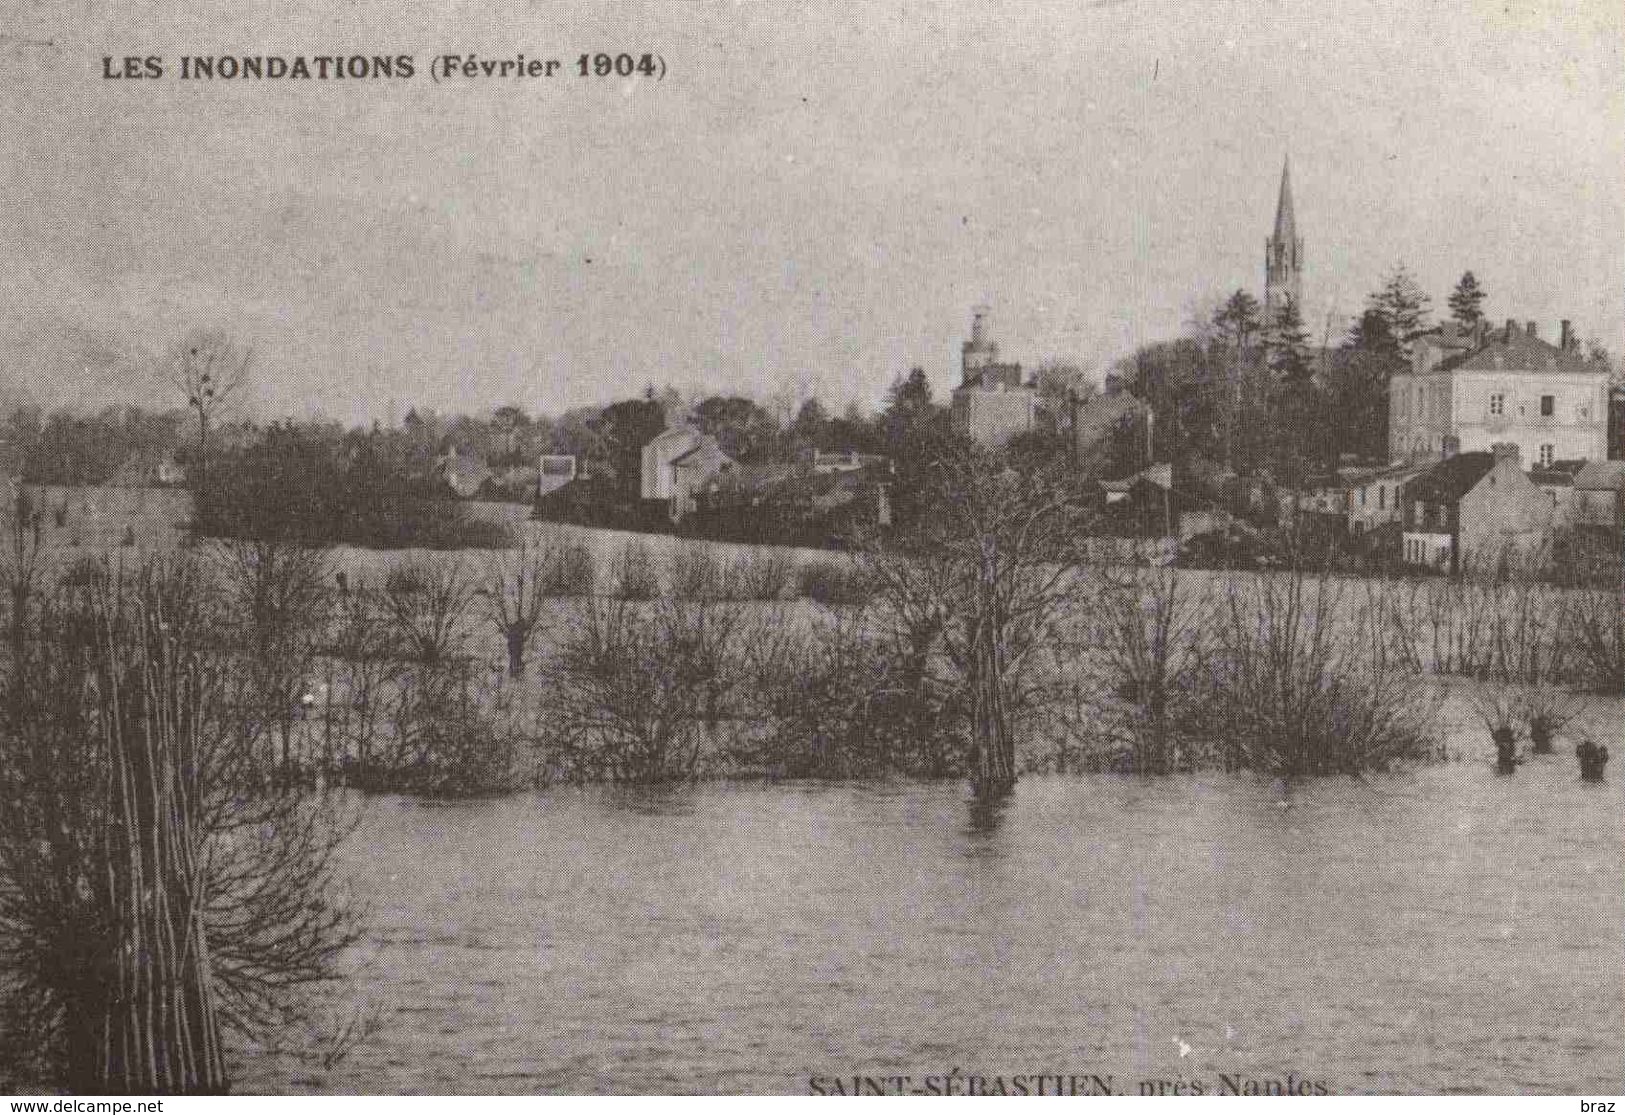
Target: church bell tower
[[1283, 255]]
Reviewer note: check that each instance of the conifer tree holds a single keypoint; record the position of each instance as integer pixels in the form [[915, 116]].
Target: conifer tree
[[1403, 305], [1467, 301], [1294, 397]]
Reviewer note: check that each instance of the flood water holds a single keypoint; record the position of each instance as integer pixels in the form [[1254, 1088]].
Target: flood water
[[1447, 930]]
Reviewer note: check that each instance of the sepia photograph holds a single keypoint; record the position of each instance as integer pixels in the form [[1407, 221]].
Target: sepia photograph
[[742, 547]]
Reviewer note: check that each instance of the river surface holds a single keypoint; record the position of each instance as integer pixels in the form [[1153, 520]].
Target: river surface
[[1442, 931]]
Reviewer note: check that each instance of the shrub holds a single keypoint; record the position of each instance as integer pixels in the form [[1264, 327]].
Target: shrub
[[1594, 633], [1295, 688], [836, 699], [428, 601], [836, 583], [635, 691], [760, 575], [446, 741], [633, 573], [1145, 646], [695, 572], [570, 568]]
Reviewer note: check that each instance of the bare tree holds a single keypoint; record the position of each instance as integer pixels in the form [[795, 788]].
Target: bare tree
[[1145, 636], [208, 370], [1304, 679], [156, 897], [637, 689], [428, 602], [992, 565], [514, 594], [276, 592], [21, 564]]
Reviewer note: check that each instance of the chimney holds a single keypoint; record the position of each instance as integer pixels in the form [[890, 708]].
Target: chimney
[[1512, 328], [1505, 451], [1529, 328], [1567, 343]]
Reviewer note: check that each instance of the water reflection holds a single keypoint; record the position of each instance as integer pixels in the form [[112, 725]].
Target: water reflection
[[986, 813]]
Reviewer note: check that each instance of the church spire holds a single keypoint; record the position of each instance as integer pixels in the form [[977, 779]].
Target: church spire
[[1286, 229], [1283, 255]]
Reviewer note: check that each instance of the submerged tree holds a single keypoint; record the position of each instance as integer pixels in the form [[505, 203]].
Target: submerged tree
[[994, 561], [157, 898]]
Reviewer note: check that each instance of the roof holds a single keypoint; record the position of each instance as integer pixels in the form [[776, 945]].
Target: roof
[[1558, 473], [1451, 478], [673, 431], [1601, 476], [548, 482], [1359, 476], [1449, 335], [707, 447], [1514, 350], [1161, 476], [465, 475]]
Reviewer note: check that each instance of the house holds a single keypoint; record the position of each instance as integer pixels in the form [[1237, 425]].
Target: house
[[1373, 495], [1325, 494], [516, 484], [795, 499], [148, 470], [821, 462], [991, 405], [1557, 482], [1503, 386], [464, 475], [658, 456], [554, 471], [1474, 510], [1599, 495], [1161, 476], [692, 472], [1152, 504]]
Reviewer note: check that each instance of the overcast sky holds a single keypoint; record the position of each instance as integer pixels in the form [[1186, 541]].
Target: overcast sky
[[816, 193]]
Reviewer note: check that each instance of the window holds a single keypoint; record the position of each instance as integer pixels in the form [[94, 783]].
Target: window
[[1362, 497], [1548, 405], [1498, 404], [1382, 497], [1546, 454]]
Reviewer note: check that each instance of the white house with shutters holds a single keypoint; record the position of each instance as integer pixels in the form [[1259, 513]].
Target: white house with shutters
[[1467, 392]]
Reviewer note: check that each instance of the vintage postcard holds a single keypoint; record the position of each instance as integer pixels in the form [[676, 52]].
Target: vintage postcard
[[920, 548]]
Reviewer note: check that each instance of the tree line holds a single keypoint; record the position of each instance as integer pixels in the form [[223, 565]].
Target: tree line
[[1251, 395]]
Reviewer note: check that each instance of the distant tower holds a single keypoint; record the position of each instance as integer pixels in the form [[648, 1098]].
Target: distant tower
[[1283, 255], [978, 352], [991, 404]]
